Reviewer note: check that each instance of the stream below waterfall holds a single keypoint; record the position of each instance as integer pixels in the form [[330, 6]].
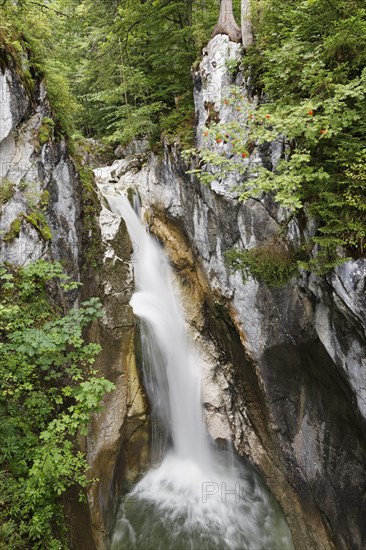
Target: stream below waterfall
[[198, 497]]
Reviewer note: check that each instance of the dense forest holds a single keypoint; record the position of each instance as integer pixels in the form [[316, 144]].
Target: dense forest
[[116, 70], [121, 70]]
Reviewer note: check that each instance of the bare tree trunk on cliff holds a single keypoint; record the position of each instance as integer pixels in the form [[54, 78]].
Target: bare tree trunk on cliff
[[246, 24], [226, 23]]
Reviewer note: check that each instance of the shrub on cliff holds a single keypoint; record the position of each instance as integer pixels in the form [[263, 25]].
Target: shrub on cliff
[[308, 69], [48, 390]]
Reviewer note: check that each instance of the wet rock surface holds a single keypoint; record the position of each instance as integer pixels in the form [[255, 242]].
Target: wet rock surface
[[117, 445]]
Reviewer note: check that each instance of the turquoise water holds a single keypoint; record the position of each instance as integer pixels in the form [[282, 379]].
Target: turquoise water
[[178, 506]]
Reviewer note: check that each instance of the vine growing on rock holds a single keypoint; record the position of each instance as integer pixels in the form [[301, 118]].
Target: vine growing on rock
[[48, 390]]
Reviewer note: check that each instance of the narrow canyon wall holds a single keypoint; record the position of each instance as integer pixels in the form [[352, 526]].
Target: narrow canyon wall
[[290, 372], [48, 212], [117, 445]]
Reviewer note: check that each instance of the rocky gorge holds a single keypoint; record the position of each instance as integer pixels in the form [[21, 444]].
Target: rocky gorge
[[285, 376]]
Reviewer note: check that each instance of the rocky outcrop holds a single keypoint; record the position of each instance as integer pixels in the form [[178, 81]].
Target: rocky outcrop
[[40, 200], [287, 383]]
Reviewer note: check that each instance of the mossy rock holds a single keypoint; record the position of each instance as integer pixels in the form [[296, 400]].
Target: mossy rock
[[14, 230], [39, 222], [272, 263], [7, 190], [45, 130], [36, 219]]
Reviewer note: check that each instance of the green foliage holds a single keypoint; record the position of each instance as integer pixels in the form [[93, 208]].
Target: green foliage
[[149, 48], [308, 66], [38, 220], [232, 66], [179, 124], [45, 130], [48, 389], [131, 66], [118, 70], [33, 39], [271, 263], [7, 189]]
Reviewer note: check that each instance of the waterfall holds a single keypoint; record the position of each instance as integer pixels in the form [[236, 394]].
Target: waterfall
[[197, 497], [177, 391]]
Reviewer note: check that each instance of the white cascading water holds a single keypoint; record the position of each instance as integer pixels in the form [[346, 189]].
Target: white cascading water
[[197, 498]]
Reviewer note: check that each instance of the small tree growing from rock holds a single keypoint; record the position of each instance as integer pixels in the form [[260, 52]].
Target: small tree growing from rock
[[227, 24]]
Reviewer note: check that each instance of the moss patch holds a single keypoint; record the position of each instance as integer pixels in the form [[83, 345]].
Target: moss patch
[[7, 190], [39, 222], [14, 230], [45, 130]]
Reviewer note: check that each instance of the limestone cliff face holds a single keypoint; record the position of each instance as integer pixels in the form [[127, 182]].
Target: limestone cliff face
[[36, 175], [287, 376], [46, 212]]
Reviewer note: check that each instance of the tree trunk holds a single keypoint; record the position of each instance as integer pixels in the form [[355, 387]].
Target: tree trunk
[[246, 24], [226, 23]]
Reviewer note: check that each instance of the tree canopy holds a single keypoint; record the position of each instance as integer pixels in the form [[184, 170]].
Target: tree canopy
[[125, 66]]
